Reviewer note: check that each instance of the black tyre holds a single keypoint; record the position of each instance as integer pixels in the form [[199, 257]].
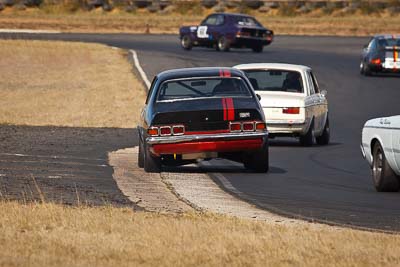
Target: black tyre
[[325, 136], [140, 154], [223, 44], [258, 161], [385, 180], [186, 42], [364, 69], [308, 138], [151, 163], [257, 48]]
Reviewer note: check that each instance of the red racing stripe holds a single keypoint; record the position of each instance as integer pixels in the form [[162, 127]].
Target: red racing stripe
[[231, 109], [224, 108]]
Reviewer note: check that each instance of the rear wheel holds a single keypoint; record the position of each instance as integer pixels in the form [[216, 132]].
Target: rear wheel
[[223, 44], [385, 180], [140, 154], [308, 138], [151, 163], [186, 42], [257, 48], [364, 69], [326, 135]]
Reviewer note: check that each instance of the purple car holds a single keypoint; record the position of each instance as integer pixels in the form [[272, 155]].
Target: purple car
[[226, 30]]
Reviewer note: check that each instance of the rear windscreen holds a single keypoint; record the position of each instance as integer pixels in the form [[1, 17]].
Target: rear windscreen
[[246, 21], [276, 80], [388, 42], [203, 88]]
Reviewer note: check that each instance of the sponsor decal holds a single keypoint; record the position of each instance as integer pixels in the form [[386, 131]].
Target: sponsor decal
[[244, 114], [202, 32]]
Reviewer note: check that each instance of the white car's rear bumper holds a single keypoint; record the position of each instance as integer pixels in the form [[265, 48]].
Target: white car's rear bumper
[[287, 126]]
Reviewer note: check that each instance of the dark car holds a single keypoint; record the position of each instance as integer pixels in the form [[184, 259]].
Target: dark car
[[381, 54], [225, 30], [202, 113]]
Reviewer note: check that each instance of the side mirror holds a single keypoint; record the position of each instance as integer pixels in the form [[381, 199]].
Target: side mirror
[[324, 92], [258, 96]]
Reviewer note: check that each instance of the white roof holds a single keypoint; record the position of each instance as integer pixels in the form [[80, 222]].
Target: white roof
[[280, 66]]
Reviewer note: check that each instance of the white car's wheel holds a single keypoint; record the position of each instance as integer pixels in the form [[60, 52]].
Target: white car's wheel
[[308, 138], [385, 180], [325, 136]]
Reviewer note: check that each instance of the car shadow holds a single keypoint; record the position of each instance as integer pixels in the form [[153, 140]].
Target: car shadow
[[200, 168], [384, 75], [296, 143]]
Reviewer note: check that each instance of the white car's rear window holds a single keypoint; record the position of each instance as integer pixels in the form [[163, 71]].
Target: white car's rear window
[[276, 80]]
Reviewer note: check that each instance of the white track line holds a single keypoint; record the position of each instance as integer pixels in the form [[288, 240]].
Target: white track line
[[27, 31], [139, 68]]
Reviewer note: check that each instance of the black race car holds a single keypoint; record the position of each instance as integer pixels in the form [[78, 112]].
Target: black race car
[[381, 54], [202, 113], [226, 30]]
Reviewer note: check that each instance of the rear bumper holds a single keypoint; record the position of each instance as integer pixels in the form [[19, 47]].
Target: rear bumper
[[188, 144], [207, 146], [249, 41], [287, 127]]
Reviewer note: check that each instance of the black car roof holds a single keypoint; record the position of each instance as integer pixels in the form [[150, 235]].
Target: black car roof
[[199, 72], [232, 14], [387, 36]]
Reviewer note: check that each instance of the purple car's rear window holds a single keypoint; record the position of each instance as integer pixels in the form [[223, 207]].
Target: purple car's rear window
[[203, 88], [246, 21]]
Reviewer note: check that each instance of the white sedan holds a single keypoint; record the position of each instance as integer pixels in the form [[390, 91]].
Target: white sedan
[[380, 146], [292, 101]]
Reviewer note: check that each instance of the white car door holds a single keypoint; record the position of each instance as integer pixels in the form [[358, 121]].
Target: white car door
[[395, 128], [322, 103], [312, 101]]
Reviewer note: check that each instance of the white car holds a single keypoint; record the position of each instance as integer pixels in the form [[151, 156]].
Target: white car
[[292, 101], [380, 146]]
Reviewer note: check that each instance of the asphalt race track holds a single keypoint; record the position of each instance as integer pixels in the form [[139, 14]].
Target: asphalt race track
[[326, 183]]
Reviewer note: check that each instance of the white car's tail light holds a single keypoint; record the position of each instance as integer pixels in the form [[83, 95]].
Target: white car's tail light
[[292, 110]]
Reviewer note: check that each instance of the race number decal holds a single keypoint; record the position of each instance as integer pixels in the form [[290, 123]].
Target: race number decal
[[202, 32]]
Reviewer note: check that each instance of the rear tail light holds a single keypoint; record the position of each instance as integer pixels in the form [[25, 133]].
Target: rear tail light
[[235, 127], [240, 34], [376, 61], [153, 131], [178, 130], [291, 110], [248, 126], [165, 130], [260, 126]]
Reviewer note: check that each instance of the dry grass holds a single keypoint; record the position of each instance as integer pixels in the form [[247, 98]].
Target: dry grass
[[53, 235], [118, 21], [67, 84]]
